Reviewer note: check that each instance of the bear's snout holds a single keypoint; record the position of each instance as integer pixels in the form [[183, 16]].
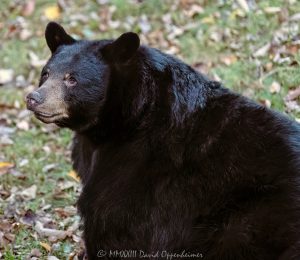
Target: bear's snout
[[33, 99], [47, 104]]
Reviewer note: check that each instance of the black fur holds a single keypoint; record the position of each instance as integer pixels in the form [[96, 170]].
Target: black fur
[[173, 161], [55, 36]]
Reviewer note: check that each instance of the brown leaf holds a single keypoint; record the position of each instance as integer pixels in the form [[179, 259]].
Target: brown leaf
[[229, 59], [66, 212], [29, 193], [55, 234], [28, 8], [193, 10], [269, 66], [293, 94], [28, 218], [9, 236], [35, 253], [293, 49], [5, 225], [6, 237], [5, 166], [45, 246]]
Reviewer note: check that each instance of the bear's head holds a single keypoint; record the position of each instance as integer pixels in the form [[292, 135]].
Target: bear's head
[[74, 82]]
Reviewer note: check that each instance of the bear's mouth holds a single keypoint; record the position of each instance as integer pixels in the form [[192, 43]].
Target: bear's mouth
[[47, 117]]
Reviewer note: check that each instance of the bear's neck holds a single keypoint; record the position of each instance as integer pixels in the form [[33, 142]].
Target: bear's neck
[[150, 92]]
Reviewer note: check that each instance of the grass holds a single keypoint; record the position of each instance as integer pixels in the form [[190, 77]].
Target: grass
[[240, 35]]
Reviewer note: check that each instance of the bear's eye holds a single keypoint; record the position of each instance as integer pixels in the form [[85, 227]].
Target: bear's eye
[[71, 81], [45, 75]]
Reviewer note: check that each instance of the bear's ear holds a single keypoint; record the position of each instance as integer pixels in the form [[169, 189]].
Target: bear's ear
[[122, 49], [56, 35]]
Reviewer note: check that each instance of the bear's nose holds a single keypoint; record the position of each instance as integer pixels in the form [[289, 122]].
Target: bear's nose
[[33, 99]]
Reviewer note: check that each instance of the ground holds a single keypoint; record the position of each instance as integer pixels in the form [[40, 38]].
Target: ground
[[251, 46]]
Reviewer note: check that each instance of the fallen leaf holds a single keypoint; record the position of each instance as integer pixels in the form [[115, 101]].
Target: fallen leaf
[[5, 225], [28, 8], [46, 149], [28, 218], [66, 185], [292, 106], [74, 226], [66, 211], [193, 10], [5, 140], [144, 24], [10, 237], [262, 51], [53, 233], [23, 125], [293, 94], [275, 87], [35, 61], [6, 130], [216, 36], [6, 76], [35, 253], [51, 257], [23, 162], [46, 207], [4, 194], [293, 49], [229, 59], [25, 34], [6, 236], [29, 193], [269, 66], [45, 246], [266, 102], [237, 13], [244, 5], [208, 20], [52, 12], [49, 167], [295, 17], [74, 176], [76, 238], [272, 9], [5, 166], [59, 194]]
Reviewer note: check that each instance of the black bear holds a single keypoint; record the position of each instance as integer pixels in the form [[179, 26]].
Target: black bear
[[173, 165]]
